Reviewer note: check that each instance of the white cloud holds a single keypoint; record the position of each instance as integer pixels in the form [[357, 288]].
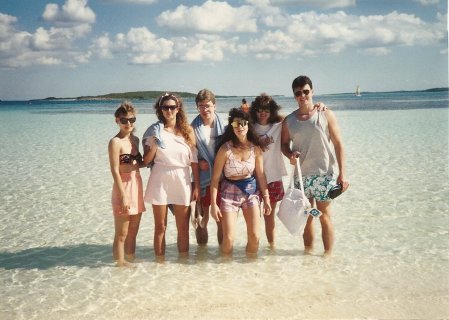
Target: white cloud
[[144, 47], [310, 33], [73, 11], [132, 1], [427, 2], [211, 17], [52, 46], [327, 4]]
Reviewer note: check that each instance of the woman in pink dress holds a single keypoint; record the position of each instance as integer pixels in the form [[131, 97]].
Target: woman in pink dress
[[127, 191], [169, 146]]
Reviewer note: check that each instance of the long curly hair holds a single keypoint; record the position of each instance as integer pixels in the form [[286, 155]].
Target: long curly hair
[[265, 101], [229, 134], [182, 126]]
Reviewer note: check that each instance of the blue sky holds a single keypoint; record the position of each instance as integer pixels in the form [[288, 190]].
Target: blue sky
[[69, 48]]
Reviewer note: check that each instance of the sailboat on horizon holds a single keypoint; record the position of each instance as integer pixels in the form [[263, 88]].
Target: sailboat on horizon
[[357, 91]]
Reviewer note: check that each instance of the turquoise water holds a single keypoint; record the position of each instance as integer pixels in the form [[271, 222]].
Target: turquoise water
[[391, 252]]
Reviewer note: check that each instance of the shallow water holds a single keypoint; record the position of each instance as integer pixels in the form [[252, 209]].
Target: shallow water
[[391, 252]]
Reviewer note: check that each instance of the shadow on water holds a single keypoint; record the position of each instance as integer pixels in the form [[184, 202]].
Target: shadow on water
[[97, 255], [79, 255]]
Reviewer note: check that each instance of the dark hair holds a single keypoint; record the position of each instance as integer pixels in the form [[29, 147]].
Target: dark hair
[[229, 134], [125, 108], [203, 95], [265, 101], [300, 82], [182, 125]]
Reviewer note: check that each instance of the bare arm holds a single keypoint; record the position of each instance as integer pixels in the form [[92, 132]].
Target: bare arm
[[262, 181], [195, 170], [149, 151], [335, 136], [114, 164], [219, 163], [285, 144]]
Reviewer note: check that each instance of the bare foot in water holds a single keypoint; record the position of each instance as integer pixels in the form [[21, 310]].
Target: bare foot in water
[[125, 264], [308, 250]]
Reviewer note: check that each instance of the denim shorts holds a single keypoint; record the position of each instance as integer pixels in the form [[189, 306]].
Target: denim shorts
[[317, 187]]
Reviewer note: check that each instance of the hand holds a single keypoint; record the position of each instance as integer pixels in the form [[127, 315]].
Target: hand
[[204, 166], [320, 106], [195, 194], [266, 206], [125, 205], [293, 156], [215, 212], [344, 183]]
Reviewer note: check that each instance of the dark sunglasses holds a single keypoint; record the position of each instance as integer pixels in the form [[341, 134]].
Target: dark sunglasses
[[263, 110], [166, 108], [126, 120], [237, 123], [301, 92]]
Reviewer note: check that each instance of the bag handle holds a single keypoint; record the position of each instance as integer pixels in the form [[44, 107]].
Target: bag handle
[[292, 177]]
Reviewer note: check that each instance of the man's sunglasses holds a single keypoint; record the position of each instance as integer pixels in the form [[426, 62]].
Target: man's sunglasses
[[301, 92]]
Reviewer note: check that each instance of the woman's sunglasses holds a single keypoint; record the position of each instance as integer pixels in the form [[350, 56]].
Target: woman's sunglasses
[[301, 92], [126, 120], [239, 123], [267, 110], [166, 108]]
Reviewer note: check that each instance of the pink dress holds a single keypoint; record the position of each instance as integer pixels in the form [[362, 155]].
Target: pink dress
[[133, 188], [170, 180]]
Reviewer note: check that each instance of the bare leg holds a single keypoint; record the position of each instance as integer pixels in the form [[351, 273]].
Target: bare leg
[[270, 225], [219, 232], [160, 226], [327, 229], [309, 233], [130, 242], [121, 224], [201, 234], [182, 224], [228, 223], [252, 218]]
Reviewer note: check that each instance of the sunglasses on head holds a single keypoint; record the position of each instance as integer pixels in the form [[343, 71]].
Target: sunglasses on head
[[263, 110], [166, 108], [239, 123], [299, 93], [126, 120]]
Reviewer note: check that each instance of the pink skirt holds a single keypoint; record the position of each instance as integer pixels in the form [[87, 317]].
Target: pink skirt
[[132, 185]]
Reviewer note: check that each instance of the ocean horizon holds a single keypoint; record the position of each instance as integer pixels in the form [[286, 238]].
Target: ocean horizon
[[391, 251]]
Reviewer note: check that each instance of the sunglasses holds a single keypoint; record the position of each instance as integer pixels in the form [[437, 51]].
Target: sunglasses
[[267, 110], [166, 108], [237, 123], [126, 120], [301, 92]]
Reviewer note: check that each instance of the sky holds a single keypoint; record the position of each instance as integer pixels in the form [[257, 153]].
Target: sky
[[71, 48]]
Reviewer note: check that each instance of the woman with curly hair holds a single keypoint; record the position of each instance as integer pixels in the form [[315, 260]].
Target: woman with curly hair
[[169, 145], [239, 159], [267, 122]]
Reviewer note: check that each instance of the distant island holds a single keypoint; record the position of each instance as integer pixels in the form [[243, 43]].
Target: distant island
[[149, 95]]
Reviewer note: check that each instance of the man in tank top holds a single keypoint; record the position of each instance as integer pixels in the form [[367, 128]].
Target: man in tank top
[[314, 136]]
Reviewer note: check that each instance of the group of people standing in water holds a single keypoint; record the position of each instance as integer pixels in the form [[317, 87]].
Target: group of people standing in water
[[223, 167]]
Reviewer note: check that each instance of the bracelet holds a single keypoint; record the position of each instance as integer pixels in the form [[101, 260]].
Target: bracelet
[[266, 195]]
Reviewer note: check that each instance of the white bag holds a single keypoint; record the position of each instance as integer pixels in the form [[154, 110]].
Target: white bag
[[294, 208]]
